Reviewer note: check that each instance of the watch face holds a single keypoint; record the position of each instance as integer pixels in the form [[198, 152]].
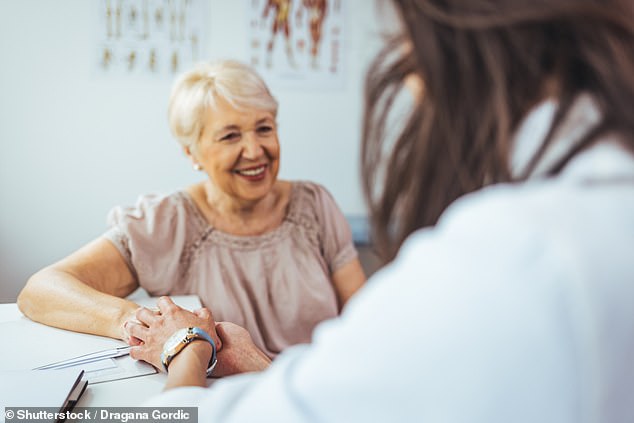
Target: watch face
[[182, 337], [176, 341]]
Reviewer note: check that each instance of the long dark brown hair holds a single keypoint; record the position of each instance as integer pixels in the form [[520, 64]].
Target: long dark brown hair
[[483, 65]]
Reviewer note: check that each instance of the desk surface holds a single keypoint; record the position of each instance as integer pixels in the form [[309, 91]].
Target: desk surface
[[38, 344]]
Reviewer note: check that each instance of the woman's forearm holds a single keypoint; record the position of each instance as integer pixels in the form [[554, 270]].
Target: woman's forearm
[[189, 367], [57, 298]]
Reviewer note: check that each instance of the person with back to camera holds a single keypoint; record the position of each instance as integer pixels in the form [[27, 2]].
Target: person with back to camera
[[275, 257], [506, 208]]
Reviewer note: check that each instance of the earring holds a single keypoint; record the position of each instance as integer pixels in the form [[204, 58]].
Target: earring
[[197, 167]]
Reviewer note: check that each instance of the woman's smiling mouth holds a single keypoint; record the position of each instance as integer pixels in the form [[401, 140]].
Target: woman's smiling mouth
[[252, 173]]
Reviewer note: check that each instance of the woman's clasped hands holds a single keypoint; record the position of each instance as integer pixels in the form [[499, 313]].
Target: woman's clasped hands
[[235, 349], [153, 327]]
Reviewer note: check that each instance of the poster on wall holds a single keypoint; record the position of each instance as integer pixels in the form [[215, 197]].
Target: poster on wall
[[298, 43], [149, 37]]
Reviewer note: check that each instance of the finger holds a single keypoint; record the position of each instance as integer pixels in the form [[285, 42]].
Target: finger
[[146, 316], [137, 353], [137, 330], [228, 327], [220, 328], [221, 332], [204, 313], [144, 354], [134, 341], [166, 305]]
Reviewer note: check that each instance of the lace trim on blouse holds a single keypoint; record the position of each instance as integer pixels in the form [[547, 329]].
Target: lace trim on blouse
[[295, 216]]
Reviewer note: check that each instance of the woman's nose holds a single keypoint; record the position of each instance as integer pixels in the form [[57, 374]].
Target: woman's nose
[[252, 148]]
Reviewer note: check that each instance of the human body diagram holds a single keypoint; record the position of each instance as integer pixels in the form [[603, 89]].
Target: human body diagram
[[281, 10], [309, 17]]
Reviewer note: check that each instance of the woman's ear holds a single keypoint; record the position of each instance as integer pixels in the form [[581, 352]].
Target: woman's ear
[[191, 157]]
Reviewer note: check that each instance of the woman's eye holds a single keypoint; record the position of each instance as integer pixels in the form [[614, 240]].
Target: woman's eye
[[232, 136], [265, 129]]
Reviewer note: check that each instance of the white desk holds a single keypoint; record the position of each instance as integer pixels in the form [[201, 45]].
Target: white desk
[[26, 344]]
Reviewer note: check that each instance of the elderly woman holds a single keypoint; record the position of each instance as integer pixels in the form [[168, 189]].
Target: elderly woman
[[275, 257]]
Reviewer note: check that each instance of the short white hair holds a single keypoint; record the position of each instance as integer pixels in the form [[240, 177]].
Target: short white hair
[[198, 90]]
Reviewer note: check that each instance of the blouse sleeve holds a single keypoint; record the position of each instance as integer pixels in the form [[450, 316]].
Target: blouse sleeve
[[335, 235], [151, 237]]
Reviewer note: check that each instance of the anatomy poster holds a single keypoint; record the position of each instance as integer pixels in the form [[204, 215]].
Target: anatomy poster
[[149, 37], [298, 43]]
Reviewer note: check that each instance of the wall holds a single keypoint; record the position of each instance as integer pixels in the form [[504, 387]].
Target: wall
[[74, 143]]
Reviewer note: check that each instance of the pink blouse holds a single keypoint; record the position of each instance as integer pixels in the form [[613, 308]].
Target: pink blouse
[[277, 285]]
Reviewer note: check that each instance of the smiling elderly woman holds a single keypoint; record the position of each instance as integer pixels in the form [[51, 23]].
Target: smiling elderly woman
[[273, 256]]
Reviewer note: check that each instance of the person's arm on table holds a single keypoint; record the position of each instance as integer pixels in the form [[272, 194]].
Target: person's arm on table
[[189, 367], [82, 292]]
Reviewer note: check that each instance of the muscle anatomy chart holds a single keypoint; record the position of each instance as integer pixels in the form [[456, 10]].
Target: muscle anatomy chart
[[298, 43], [156, 37]]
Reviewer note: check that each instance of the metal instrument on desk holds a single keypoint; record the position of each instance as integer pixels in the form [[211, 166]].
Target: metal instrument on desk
[[88, 358]]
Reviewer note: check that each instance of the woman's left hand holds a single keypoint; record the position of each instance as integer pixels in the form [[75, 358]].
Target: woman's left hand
[[155, 327]]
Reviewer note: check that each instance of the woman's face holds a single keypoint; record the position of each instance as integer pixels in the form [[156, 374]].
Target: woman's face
[[240, 151]]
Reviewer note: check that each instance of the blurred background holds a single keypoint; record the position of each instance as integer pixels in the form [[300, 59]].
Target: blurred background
[[82, 130]]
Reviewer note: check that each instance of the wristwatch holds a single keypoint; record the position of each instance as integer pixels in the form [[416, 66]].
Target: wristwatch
[[183, 337]]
